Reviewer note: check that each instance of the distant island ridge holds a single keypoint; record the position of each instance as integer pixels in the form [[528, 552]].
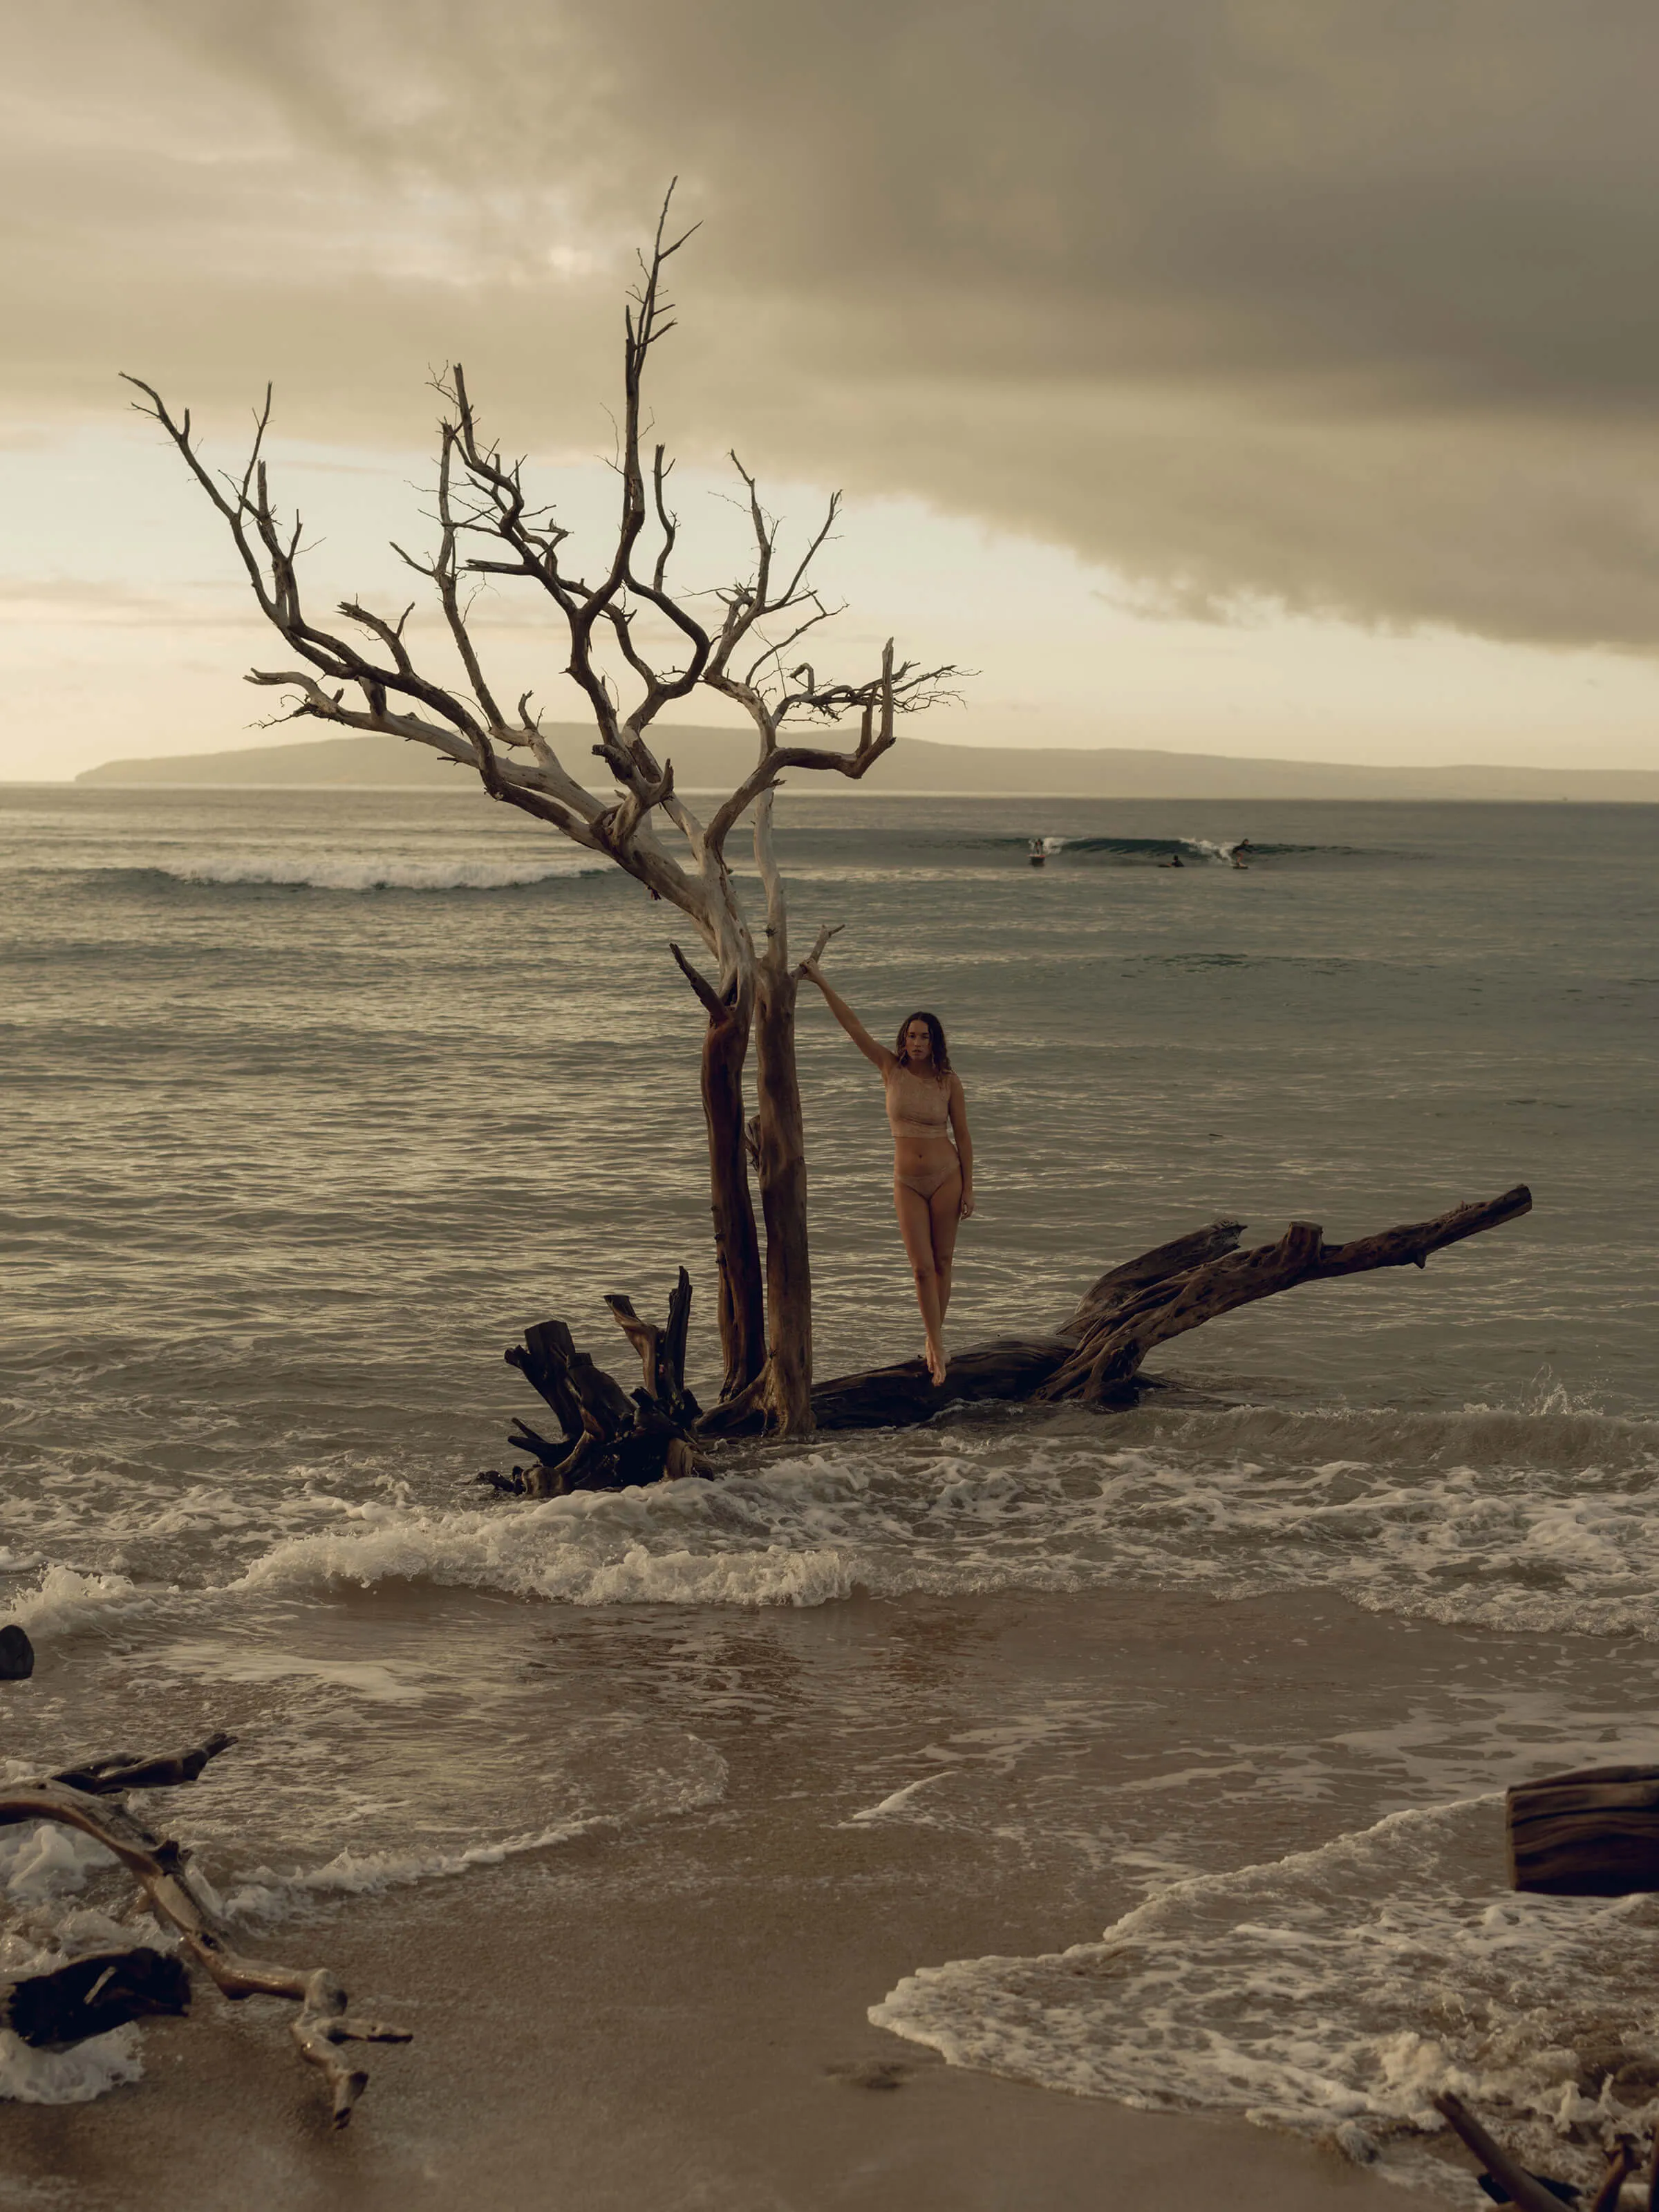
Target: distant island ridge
[[718, 759]]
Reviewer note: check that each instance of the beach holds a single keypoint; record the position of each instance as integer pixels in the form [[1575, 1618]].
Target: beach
[[1039, 1807], [677, 2013]]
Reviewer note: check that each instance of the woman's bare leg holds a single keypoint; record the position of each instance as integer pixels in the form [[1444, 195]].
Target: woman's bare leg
[[944, 1212], [916, 1227]]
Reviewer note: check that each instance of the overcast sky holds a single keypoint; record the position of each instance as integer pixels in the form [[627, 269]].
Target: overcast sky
[[1229, 375]]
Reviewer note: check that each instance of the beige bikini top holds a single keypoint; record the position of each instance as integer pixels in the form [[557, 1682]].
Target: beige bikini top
[[922, 1109]]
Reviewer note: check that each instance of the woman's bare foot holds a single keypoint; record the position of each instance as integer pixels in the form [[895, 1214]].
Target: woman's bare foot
[[937, 1363]]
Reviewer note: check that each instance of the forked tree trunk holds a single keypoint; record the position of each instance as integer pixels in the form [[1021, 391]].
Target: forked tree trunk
[[741, 1295], [767, 1353], [781, 1148], [737, 1246], [490, 527]]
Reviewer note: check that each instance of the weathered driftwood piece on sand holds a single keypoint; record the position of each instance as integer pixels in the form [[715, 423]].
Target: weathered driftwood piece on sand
[[91, 1995], [79, 1798], [1594, 1832], [1527, 2190], [1095, 1357], [608, 1440]]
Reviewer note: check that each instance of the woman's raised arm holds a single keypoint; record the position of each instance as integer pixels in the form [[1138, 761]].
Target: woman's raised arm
[[876, 1054]]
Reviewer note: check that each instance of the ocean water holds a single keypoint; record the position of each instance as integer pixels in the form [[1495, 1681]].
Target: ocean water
[[315, 1100]]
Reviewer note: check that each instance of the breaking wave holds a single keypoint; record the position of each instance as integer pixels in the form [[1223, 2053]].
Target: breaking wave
[[1538, 1520], [1333, 1993], [65, 1600], [360, 872], [1219, 852]]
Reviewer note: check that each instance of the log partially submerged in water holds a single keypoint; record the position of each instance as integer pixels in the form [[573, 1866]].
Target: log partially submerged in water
[[80, 1797], [1594, 1832], [1095, 1357], [1532, 2191], [1112, 1347], [1015, 1369]]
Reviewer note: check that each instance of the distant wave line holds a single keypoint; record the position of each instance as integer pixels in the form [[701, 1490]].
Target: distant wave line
[[1206, 848], [357, 875]]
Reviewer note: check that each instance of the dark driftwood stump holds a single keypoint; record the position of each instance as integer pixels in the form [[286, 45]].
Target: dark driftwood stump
[[1591, 1833], [609, 1441], [89, 1996]]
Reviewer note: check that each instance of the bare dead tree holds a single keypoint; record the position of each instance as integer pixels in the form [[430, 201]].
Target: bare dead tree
[[752, 653]]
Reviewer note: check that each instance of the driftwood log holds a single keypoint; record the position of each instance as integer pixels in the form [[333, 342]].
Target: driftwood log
[[90, 1995], [1514, 2183], [1594, 1832], [1591, 1833], [609, 1440]]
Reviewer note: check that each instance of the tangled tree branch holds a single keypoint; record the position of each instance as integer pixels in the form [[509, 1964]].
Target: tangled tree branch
[[80, 1796]]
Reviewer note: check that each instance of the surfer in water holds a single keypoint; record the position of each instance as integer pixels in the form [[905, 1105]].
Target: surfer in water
[[932, 1177]]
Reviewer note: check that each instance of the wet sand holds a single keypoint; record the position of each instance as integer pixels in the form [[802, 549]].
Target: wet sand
[[676, 2013], [696, 2038]]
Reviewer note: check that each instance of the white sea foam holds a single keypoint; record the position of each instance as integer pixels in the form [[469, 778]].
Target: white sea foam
[[681, 1543], [41, 1864], [1523, 1522], [340, 872], [67, 2077], [41, 1861], [1334, 1992], [65, 1600], [898, 1801]]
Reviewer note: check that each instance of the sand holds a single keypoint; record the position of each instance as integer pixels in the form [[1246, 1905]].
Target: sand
[[675, 2014]]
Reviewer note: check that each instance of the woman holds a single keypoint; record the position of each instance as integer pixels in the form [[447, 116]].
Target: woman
[[932, 1178]]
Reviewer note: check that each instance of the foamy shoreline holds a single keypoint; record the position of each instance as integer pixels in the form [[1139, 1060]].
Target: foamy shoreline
[[675, 2008]]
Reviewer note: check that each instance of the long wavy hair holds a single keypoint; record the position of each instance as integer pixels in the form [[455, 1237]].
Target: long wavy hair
[[941, 1051]]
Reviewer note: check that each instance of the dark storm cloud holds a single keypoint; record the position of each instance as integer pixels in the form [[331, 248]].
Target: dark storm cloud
[[1348, 305]]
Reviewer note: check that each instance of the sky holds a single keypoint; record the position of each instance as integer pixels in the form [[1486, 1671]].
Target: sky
[[1240, 376]]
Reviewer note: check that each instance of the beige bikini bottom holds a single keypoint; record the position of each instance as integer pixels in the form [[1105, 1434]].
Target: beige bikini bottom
[[928, 1180]]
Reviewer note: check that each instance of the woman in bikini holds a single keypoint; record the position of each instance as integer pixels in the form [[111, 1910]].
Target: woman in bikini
[[932, 1178]]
